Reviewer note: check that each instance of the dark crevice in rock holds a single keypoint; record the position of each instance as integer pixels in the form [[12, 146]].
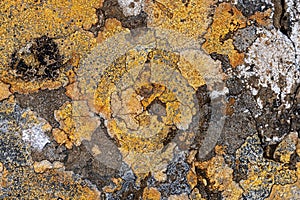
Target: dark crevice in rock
[[81, 161], [285, 22], [204, 103], [281, 19], [269, 151], [295, 111], [99, 26], [205, 190], [224, 60], [171, 135]]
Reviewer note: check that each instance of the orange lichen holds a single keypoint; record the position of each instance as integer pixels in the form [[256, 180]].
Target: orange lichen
[[151, 194], [192, 178], [112, 26], [190, 18], [285, 192], [227, 19], [117, 185], [229, 107], [221, 176], [4, 91], [61, 20], [76, 124], [263, 18]]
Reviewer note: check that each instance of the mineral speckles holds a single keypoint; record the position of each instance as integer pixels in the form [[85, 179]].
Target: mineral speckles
[[293, 11], [249, 7], [35, 136], [278, 70], [261, 173], [131, 7], [243, 38]]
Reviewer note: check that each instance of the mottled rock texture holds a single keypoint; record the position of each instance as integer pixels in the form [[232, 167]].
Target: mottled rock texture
[[150, 99]]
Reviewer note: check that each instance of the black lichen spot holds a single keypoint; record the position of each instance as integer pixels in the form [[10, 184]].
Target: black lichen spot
[[40, 59]]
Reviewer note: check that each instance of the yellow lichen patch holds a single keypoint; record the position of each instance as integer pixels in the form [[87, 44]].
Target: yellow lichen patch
[[56, 183], [112, 27], [193, 76], [262, 173], [151, 194], [192, 178], [31, 87], [4, 91], [227, 19], [195, 195], [41, 167], [62, 138], [76, 45], [62, 21], [76, 124], [190, 18], [179, 197], [221, 177], [143, 96]]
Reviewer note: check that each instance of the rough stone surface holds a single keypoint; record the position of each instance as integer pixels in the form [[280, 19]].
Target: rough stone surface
[[150, 99]]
